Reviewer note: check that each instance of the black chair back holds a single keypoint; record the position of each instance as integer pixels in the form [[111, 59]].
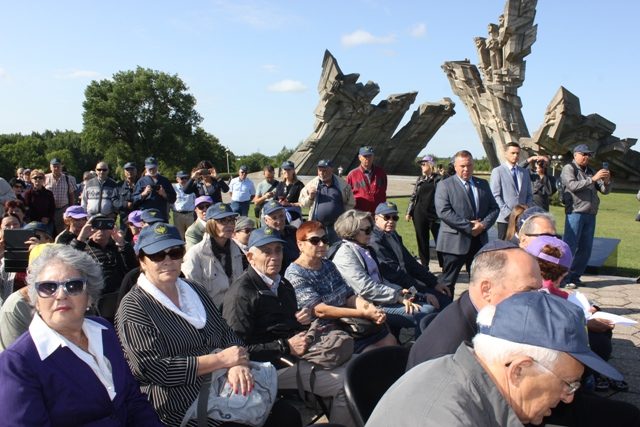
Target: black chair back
[[369, 376]]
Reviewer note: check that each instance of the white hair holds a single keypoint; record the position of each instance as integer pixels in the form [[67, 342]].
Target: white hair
[[494, 350]]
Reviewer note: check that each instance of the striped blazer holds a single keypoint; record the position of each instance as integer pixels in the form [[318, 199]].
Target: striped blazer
[[162, 349]]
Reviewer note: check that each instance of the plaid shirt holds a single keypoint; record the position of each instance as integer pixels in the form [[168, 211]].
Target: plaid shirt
[[60, 188]]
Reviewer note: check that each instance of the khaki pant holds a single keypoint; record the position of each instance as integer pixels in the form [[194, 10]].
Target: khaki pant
[[182, 221]]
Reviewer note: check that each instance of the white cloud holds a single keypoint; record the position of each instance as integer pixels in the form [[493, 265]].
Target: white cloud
[[271, 68], [77, 74], [287, 86], [418, 30], [359, 37]]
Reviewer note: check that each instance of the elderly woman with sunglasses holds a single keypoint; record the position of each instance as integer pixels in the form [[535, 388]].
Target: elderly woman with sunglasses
[[320, 287], [68, 368], [172, 333], [217, 260], [358, 266]]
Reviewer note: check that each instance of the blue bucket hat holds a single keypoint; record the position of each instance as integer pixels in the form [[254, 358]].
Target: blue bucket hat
[[219, 211], [544, 320], [263, 236], [386, 208], [158, 237], [151, 216], [271, 206]]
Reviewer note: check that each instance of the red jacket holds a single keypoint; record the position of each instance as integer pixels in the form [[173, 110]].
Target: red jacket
[[368, 193]]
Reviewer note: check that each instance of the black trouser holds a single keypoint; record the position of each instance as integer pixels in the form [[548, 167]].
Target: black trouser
[[502, 230], [452, 264], [591, 410], [422, 226]]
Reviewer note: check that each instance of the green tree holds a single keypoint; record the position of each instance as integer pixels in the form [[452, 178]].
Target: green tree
[[140, 113]]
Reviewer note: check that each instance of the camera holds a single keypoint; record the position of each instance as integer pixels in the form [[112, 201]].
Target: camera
[[102, 223], [541, 163]]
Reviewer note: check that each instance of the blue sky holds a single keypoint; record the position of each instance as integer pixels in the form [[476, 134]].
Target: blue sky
[[254, 65]]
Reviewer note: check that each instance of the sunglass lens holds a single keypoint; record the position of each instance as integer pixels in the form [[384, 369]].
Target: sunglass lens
[[46, 289], [74, 287], [176, 253]]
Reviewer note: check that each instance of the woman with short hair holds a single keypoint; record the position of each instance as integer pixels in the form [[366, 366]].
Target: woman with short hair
[[359, 267], [68, 368]]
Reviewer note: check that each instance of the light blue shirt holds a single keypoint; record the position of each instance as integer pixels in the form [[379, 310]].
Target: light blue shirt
[[184, 202], [241, 190]]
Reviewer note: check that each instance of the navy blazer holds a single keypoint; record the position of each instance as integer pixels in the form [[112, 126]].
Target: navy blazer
[[456, 212], [62, 390]]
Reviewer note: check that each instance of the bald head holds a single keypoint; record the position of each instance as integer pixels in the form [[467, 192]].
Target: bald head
[[496, 275], [534, 226]]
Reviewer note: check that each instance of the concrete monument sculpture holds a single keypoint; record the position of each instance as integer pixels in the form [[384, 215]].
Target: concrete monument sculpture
[[490, 94], [346, 120]]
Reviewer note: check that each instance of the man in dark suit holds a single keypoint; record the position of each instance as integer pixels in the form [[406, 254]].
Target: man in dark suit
[[466, 209], [511, 185]]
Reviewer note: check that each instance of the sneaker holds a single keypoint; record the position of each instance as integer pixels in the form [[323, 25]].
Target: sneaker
[[602, 383], [619, 385], [570, 286]]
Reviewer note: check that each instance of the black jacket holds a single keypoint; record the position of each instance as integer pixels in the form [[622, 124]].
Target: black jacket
[[263, 320]]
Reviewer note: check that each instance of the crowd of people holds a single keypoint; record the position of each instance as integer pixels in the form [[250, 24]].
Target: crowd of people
[[139, 294]]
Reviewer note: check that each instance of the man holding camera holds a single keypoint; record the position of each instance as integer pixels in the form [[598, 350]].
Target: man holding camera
[[543, 184], [154, 190], [581, 203]]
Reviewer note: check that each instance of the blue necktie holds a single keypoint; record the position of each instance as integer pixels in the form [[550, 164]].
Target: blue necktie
[[514, 174], [472, 199]]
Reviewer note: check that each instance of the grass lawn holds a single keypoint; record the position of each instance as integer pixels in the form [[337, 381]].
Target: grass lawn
[[615, 220]]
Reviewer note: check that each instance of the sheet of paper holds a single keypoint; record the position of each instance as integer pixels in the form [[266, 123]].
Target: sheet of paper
[[618, 320], [579, 299]]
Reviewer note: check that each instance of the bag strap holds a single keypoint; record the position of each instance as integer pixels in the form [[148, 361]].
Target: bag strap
[[309, 398], [203, 401]]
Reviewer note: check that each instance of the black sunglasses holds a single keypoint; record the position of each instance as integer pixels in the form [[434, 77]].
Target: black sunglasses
[[203, 206], [173, 253], [71, 287], [367, 230], [557, 236], [38, 177], [315, 240], [390, 217], [102, 170]]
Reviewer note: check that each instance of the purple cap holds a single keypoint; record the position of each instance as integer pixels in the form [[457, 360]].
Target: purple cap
[[76, 212], [135, 218], [203, 199], [538, 243], [427, 159]]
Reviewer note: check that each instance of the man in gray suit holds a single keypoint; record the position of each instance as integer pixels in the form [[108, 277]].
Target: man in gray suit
[[510, 185], [466, 209]]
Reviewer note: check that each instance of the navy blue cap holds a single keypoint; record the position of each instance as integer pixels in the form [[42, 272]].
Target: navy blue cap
[[182, 174], [55, 161], [150, 162], [544, 320], [385, 208], [151, 216], [263, 236], [497, 245], [325, 164], [288, 164], [366, 151], [158, 237], [582, 148], [37, 226], [271, 206], [218, 211], [130, 165]]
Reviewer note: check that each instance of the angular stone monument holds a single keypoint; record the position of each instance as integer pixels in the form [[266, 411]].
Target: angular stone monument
[[346, 120], [490, 94]]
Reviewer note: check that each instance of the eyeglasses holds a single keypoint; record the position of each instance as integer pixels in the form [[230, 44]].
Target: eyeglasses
[[245, 230], [586, 154], [37, 177], [557, 236], [203, 206], [183, 178], [390, 217], [175, 254], [71, 287], [367, 230], [315, 240], [227, 220], [572, 387], [102, 170]]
